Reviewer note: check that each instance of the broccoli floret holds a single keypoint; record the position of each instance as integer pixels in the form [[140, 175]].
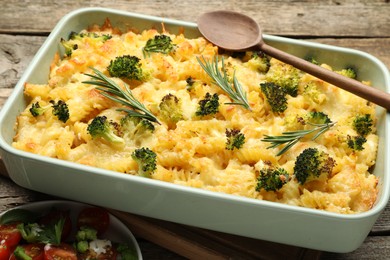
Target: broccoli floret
[[272, 179], [312, 92], [146, 160], [275, 95], [68, 46], [136, 128], [312, 163], [348, 72], [170, 110], [86, 233], [37, 110], [101, 127], [362, 124], [59, 109], [192, 83], [316, 118], [136, 124], [259, 61], [285, 76], [83, 235], [235, 139], [356, 142], [160, 43], [126, 252], [74, 38], [128, 67], [209, 105]]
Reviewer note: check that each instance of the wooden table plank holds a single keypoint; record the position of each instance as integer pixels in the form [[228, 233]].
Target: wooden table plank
[[294, 18]]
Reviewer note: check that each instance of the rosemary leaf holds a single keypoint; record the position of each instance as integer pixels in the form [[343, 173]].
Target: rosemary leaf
[[114, 92], [235, 92], [292, 137]]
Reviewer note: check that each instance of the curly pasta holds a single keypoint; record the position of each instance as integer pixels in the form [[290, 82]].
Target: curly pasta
[[192, 151]]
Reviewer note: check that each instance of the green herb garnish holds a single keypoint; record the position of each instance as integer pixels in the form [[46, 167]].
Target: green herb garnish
[[234, 90], [292, 137], [113, 91]]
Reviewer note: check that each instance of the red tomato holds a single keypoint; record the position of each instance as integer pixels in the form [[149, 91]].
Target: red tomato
[[60, 252], [53, 217], [35, 251], [97, 218], [4, 252], [10, 234]]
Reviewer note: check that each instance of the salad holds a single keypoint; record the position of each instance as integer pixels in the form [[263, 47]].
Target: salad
[[53, 234]]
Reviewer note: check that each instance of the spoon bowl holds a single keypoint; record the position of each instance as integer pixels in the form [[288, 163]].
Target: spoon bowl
[[237, 32]]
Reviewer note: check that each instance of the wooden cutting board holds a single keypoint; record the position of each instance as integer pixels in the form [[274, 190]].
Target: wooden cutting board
[[197, 243]]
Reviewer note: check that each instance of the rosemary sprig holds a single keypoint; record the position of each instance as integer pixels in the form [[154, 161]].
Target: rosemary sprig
[[292, 137], [113, 91], [235, 92]]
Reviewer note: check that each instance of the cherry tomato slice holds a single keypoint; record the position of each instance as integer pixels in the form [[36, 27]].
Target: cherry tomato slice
[[94, 217], [60, 252], [10, 234], [54, 216], [4, 252], [35, 251]]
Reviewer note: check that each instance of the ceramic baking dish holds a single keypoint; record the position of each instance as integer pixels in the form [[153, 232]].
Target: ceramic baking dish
[[221, 212]]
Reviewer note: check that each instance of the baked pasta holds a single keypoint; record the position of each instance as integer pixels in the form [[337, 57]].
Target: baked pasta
[[200, 135]]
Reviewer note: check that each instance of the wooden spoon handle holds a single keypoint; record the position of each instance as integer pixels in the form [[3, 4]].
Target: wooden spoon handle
[[374, 95]]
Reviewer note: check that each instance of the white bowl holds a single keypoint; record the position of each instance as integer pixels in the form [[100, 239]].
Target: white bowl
[[264, 220], [116, 232]]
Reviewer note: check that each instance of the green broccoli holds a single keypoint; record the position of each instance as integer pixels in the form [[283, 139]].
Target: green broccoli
[[37, 110], [160, 43], [272, 179], [75, 38], [316, 118], [235, 139], [311, 164], [101, 127], [275, 95], [348, 72], [192, 83], [146, 160], [312, 91], [135, 127], [362, 124], [260, 61], [208, 106], [59, 109], [356, 142], [285, 76], [86, 233], [83, 235], [136, 123], [126, 252], [128, 67], [170, 110]]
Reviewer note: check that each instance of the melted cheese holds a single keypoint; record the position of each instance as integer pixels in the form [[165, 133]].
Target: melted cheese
[[193, 152]]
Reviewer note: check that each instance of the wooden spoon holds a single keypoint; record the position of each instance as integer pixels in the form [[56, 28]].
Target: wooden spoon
[[237, 32]]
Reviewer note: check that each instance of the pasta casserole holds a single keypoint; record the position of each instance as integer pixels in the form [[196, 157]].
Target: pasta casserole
[[185, 112]]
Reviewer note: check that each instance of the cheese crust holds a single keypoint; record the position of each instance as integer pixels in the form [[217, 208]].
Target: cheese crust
[[192, 152]]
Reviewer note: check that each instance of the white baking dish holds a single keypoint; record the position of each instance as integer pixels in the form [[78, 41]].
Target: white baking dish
[[232, 214]]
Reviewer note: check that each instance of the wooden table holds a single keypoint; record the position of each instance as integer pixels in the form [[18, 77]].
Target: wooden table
[[358, 24]]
